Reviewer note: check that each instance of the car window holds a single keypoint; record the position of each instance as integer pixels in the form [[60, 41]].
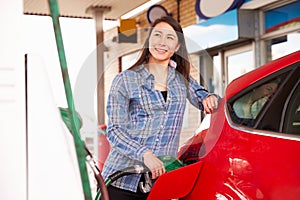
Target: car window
[[292, 116], [249, 105], [263, 105], [246, 108]]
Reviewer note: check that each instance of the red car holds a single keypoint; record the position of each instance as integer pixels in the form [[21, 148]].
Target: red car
[[251, 149]]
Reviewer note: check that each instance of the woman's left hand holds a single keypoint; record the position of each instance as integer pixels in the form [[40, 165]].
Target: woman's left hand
[[210, 104]]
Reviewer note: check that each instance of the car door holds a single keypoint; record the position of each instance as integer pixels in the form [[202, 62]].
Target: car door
[[264, 163]]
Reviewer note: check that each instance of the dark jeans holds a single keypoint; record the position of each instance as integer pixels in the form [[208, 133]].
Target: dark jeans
[[120, 194]]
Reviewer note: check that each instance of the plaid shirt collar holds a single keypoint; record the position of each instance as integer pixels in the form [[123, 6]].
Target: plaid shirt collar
[[146, 75]]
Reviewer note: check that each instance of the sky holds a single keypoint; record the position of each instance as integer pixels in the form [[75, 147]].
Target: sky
[[79, 40]]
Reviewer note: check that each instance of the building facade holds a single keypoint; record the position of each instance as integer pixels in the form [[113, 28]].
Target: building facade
[[223, 43]]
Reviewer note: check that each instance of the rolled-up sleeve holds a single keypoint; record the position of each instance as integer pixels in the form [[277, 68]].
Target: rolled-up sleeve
[[196, 93]]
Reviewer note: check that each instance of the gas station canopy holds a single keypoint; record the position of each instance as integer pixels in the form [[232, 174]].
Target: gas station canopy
[[78, 8]]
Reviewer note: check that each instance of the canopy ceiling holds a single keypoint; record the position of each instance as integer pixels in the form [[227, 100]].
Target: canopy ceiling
[[78, 8]]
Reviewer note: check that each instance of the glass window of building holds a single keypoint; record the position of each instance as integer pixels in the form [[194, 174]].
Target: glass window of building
[[238, 63], [217, 75], [284, 45], [282, 28]]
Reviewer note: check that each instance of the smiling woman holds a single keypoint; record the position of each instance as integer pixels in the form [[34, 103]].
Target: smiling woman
[[146, 106], [163, 42]]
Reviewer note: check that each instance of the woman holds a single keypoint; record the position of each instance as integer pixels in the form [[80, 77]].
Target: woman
[[146, 105]]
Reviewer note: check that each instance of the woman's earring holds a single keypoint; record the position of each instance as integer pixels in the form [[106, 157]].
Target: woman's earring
[[173, 64]]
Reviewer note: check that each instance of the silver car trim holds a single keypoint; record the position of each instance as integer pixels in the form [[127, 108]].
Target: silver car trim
[[256, 131]]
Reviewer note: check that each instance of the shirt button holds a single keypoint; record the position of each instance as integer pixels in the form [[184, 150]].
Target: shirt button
[[161, 127], [157, 140], [165, 112]]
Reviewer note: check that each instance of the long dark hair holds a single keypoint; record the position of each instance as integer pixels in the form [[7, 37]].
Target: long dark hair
[[180, 57]]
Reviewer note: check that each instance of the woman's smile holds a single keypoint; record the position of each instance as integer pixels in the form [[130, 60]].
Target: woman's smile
[[163, 42], [160, 50]]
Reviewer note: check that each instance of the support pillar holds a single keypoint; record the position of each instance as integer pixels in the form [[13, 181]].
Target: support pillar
[[98, 14]]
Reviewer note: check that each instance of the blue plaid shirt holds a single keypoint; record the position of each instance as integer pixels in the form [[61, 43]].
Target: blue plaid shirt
[[139, 119]]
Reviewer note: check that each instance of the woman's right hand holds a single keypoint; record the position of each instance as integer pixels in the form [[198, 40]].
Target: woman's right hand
[[154, 164], [210, 104]]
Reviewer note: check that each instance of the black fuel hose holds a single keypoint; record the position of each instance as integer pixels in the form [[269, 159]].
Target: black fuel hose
[[170, 164], [136, 169]]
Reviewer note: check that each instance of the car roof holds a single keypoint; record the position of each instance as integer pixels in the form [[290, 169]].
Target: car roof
[[259, 73]]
